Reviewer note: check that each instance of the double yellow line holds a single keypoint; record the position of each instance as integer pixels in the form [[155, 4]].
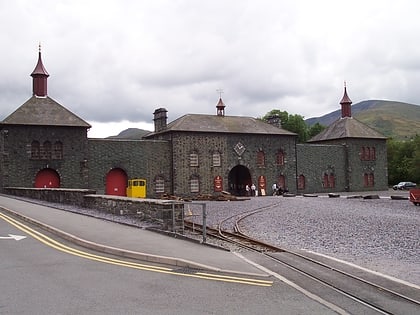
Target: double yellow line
[[72, 251]]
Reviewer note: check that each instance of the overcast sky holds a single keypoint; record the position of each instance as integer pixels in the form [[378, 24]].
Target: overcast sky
[[117, 61]]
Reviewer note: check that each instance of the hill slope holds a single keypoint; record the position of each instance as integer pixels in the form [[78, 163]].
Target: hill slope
[[393, 119], [131, 134]]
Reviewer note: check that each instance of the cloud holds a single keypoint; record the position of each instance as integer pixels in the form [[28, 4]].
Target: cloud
[[112, 61]]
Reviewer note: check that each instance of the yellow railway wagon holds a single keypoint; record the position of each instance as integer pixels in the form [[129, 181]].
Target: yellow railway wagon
[[136, 188]]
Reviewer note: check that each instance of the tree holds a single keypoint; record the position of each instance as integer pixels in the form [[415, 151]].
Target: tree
[[315, 129], [294, 123], [403, 160]]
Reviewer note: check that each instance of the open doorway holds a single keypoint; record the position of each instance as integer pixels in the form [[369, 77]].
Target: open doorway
[[239, 177]]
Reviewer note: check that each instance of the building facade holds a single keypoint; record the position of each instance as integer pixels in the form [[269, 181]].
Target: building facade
[[46, 146]]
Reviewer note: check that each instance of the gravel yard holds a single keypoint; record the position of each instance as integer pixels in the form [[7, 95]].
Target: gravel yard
[[379, 234]]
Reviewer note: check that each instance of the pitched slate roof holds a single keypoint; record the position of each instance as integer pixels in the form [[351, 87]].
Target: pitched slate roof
[[347, 127], [44, 111], [223, 124]]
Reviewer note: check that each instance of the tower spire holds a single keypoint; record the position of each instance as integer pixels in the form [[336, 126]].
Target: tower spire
[[345, 104], [220, 105], [39, 77]]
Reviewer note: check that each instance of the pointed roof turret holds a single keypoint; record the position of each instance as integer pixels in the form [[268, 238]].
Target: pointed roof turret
[[345, 104], [220, 108], [40, 76]]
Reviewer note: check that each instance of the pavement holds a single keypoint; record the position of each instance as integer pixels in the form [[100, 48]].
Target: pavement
[[126, 241]]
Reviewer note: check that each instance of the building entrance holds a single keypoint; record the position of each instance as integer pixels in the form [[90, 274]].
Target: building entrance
[[239, 177], [116, 182], [47, 178]]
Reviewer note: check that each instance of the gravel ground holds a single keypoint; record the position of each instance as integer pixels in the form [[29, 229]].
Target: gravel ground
[[379, 234]]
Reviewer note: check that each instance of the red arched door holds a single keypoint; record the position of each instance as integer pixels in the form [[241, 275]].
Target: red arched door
[[116, 182], [47, 178]]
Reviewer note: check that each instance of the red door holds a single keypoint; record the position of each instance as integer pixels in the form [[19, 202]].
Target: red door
[[47, 178], [116, 182]]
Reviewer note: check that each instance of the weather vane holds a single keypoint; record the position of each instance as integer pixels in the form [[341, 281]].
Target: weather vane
[[220, 91]]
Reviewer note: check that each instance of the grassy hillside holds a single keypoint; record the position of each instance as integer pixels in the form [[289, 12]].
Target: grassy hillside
[[393, 119], [130, 133]]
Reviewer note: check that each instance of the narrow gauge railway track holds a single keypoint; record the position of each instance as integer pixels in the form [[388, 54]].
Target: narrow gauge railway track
[[373, 293], [377, 293]]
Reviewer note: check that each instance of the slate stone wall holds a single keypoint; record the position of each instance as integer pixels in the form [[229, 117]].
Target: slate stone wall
[[137, 158], [18, 169], [205, 144], [315, 160]]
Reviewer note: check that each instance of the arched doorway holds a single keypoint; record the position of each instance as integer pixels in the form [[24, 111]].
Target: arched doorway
[[239, 177], [47, 178], [116, 182]]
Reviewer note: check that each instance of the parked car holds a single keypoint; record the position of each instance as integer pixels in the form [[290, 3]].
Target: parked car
[[404, 185]]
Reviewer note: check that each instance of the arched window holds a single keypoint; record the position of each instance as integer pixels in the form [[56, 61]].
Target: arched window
[[369, 179], [325, 183], [280, 157], [35, 150], [373, 153], [281, 182], [58, 150], [194, 184], [301, 182], [193, 159], [216, 161], [260, 159], [362, 153], [331, 180], [46, 151]]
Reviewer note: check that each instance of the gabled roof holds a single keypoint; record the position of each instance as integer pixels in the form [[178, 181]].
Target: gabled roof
[[44, 111], [223, 124], [347, 127]]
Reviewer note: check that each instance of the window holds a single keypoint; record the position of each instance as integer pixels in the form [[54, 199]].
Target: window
[[46, 151], [369, 180], [194, 185], [368, 153], [193, 159], [58, 150], [35, 150], [216, 159], [332, 180], [281, 182], [280, 157], [328, 180], [159, 185], [260, 159], [301, 182], [372, 154]]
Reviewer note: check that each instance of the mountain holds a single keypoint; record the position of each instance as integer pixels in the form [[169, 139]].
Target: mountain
[[393, 119], [131, 134]]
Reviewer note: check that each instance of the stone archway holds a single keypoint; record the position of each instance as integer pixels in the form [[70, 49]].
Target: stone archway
[[47, 178], [239, 177], [116, 182]]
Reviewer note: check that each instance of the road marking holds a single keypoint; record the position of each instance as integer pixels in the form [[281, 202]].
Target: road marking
[[69, 250], [12, 237]]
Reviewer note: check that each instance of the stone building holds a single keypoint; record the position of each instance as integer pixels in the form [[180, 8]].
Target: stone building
[[46, 146], [363, 158]]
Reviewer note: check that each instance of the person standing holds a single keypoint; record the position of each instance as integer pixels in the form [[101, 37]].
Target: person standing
[[254, 191], [274, 187]]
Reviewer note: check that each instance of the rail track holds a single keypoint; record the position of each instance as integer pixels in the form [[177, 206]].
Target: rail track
[[362, 291]]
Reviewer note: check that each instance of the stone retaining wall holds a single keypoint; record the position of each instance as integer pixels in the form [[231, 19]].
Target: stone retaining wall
[[57, 195], [168, 215]]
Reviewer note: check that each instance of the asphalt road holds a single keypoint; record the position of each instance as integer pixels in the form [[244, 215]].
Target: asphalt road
[[40, 276]]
